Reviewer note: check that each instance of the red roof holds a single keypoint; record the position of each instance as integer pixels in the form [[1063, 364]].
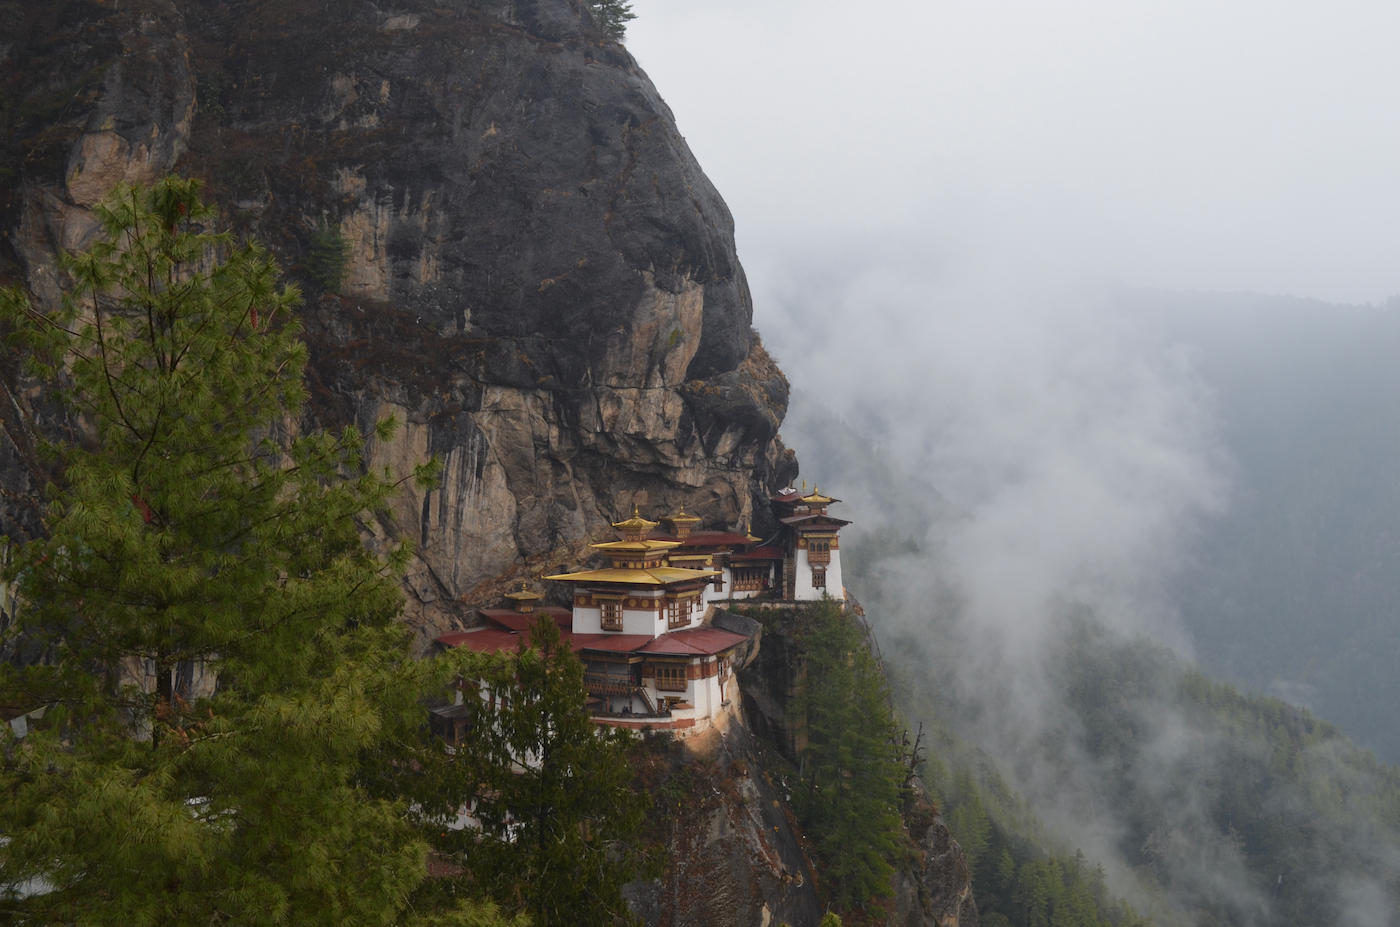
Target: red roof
[[827, 520], [482, 640], [691, 642], [703, 538], [716, 539], [694, 642], [761, 553], [611, 643], [513, 629], [519, 621]]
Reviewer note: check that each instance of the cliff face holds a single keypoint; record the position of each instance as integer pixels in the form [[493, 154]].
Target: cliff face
[[932, 885], [539, 281], [734, 854]]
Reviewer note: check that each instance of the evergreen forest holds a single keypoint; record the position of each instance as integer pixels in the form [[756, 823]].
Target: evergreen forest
[[1196, 803]]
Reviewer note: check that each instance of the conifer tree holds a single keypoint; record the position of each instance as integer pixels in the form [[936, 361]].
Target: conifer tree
[[558, 819], [969, 822], [221, 648], [612, 15], [851, 774]]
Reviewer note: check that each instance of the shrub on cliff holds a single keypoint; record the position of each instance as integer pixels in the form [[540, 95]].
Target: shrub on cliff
[[326, 259], [851, 776], [222, 649]]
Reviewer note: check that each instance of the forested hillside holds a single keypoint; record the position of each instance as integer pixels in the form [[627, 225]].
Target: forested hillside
[[1071, 731], [1295, 588], [1210, 806]]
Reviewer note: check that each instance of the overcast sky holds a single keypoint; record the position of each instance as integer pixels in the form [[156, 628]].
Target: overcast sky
[[1238, 145]]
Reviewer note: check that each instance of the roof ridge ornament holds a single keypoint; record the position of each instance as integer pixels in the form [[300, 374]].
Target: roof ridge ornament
[[636, 528]]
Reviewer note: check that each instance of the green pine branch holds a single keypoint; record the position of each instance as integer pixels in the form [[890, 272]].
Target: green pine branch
[[222, 651]]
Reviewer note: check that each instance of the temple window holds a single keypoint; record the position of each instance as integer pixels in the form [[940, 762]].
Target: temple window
[[750, 579], [670, 677], [819, 579], [612, 614], [678, 615]]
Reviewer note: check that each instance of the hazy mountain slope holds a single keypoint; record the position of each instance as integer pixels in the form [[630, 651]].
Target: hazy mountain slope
[[1295, 588], [1204, 805]]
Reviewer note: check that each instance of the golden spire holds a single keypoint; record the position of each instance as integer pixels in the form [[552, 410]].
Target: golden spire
[[636, 528], [524, 599]]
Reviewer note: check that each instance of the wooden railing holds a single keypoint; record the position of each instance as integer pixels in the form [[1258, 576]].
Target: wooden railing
[[608, 685]]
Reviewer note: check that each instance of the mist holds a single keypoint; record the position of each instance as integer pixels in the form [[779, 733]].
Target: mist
[[973, 234], [1039, 456]]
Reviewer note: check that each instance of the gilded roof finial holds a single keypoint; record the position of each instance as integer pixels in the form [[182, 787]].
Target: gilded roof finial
[[635, 527], [804, 485]]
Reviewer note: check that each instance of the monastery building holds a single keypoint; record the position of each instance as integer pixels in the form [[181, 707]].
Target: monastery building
[[649, 623]]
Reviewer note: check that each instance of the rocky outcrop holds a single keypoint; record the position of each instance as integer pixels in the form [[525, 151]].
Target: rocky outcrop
[[934, 886], [539, 280], [735, 857]]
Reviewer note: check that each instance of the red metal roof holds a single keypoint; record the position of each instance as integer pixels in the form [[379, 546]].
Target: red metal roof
[[691, 642], [761, 553], [519, 621], [482, 640], [611, 643], [796, 521], [694, 642], [716, 539], [513, 629], [706, 539]]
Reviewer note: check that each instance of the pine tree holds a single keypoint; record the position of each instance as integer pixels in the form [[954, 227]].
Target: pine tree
[[326, 259], [221, 647], [851, 773], [558, 819], [612, 15], [969, 822]]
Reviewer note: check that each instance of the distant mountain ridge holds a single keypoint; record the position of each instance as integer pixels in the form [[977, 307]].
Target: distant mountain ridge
[[1295, 589]]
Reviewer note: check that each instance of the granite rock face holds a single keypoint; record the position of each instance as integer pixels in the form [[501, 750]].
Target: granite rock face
[[539, 280], [735, 856], [933, 888]]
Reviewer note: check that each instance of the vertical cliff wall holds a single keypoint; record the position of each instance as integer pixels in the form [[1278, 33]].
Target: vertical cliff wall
[[540, 280]]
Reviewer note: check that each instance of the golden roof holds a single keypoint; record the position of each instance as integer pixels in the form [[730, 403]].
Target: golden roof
[[816, 498], [523, 594], [636, 547], [656, 576], [682, 518], [748, 533], [636, 525]]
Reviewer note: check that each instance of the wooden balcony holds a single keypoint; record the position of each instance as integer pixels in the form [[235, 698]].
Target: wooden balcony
[[608, 685]]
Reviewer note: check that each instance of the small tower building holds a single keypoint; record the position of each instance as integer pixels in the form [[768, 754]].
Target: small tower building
[[812, 544]]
